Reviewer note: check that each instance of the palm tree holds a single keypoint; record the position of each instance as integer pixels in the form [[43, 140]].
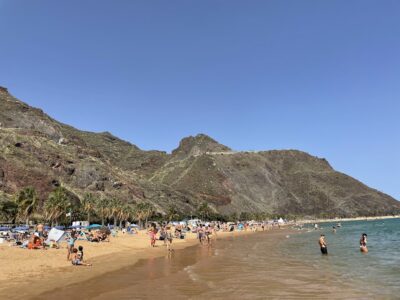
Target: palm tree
[[102, 209], [27, 201], [144, 211], [58, 205], [204, 211], [8, 210], [88, 205], [172, 213], [113, 208], [125, 213]]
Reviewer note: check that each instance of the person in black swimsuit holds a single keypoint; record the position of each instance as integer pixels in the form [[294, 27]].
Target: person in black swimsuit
[[323, 244]]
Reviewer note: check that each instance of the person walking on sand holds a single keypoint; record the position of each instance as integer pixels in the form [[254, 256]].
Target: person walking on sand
[[168, 238], [153, 234], [323, 244], [363, 243]]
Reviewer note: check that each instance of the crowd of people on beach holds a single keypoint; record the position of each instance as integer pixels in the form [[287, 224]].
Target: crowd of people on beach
[[41, 237], [205, 231]]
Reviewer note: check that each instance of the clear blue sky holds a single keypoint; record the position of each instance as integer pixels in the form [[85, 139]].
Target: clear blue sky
[[319, 76]]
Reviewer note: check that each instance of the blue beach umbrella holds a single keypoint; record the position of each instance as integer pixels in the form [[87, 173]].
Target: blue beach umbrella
[[94, 226], [59, 227], [22, 228], [4, 228], [75, 226]]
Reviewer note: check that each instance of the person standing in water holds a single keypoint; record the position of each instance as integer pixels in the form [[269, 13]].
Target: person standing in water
[[323, 244], [363, 243]]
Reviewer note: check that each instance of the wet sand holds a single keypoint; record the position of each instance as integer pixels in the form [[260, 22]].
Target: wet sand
[[240, 267], [26, 273]]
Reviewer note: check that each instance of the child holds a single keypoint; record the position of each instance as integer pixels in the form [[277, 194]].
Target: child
[[80, 253], [76, 258], [71, 244]]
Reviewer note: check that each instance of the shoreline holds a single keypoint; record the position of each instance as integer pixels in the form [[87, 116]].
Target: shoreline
[[311, 221], [34, 272]]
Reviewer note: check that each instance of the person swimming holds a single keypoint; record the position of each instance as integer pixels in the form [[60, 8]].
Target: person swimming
[[334, 229], [363, 243], [323, 244]]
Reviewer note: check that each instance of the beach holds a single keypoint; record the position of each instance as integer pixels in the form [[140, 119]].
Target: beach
[[29, 273], [246, 266]]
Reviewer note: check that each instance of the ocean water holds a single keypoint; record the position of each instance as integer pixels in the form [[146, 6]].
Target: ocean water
[[280, 264], [377, 272]]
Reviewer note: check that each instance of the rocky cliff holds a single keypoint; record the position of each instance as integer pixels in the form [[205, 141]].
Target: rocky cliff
[[36, 150]]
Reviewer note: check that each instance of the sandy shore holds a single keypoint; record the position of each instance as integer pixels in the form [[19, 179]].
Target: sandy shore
[[28, 273]]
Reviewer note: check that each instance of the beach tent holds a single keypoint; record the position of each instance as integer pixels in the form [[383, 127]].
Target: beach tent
[[55, 235]]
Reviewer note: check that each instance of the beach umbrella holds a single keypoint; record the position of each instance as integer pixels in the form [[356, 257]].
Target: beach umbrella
[[59, 227], [21, 228], [4, 228], [74, 226], [93, 226]]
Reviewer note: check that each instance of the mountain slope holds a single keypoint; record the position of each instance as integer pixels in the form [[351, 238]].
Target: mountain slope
[[39, 151]]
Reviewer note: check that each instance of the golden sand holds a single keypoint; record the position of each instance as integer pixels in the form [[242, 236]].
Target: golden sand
[[27, 273]]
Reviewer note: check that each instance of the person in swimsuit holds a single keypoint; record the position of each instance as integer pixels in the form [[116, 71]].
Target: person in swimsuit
[[200, 233], [363, 243], [71, 245], [77, 258], [168, 238], [323, 244]]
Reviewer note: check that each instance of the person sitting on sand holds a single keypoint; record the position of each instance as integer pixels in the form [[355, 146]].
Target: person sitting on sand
[[363, 243], [35, 242], [80, 252], [77, 258], [323, 244]]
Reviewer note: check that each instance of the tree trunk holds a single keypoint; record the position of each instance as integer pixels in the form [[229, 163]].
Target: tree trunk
[[88, 217], [115, 221], [102, 221], [120, 223]]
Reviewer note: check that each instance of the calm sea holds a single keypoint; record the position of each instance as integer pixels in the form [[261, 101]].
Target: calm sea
[[377, 273], [281, 264]]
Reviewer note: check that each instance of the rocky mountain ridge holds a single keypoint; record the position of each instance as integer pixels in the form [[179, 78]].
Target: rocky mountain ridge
[[36, 150]]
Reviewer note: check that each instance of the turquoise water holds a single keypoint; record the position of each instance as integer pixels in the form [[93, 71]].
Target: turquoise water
[[376, 272]]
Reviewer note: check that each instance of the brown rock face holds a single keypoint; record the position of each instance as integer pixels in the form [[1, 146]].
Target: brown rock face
[[36, 150]]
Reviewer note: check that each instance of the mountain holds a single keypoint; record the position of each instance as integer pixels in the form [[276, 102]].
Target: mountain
[[36, 150]]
